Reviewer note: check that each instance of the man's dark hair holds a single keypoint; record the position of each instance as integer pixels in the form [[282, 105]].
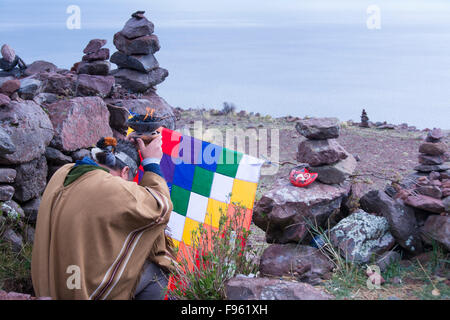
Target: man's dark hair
[[124, 146]]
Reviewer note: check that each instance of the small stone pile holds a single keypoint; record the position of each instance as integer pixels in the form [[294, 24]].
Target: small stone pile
[[321, 151], [138, 70], [364, 120], [95, 61], [433, 153]]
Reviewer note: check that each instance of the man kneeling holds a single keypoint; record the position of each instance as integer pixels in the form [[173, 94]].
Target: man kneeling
[[99, 235]]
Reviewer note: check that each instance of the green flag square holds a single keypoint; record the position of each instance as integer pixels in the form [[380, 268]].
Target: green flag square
[[202, 181], [180, 199], [229, 162]]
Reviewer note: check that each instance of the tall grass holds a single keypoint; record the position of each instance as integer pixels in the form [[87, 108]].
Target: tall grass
[[215, 256]]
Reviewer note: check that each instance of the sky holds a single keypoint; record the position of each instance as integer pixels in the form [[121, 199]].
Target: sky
[[297, 57]]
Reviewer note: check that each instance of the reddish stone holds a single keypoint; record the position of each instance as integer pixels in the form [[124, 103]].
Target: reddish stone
[[10, 86], [143, 45], [433, 149], [4, 100], [90, 85], [102, 54], [94, 45], [437, 228], [79, 122], [425, 203]]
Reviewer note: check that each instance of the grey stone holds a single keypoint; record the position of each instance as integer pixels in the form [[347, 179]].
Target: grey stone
[[446, 203], [336, 173], [6, 144], [30, 180], [320, 152], [40, 66], [7, 175], [29, 127], [14, 239], [31, 209], [136, 81], [4, 100], [437, 228], [6, 192], [29, 88], [431, 160], [12, 210], [135, 28], [45, 98], [142, 63], [100, 68], [80, 154], [56, 157], [387, 259], [319, 128], [361, 237], [89, 85], [430, 168], [148, 44]]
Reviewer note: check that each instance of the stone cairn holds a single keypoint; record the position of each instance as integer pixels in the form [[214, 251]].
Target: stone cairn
[[364, 120], [433, 153], [321, 151], [138, 70], [95, 61]]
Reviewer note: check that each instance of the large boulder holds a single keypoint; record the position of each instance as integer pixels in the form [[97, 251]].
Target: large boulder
[[437, 228], [29, 128], [90, 85], [336, 173], [245, 288], [136, 81], [361, 237], [319, 128], [137, 27], [286, 212], [139, 46], [320, 152], [39, 67], [402, 221], [142, 63], [79, 122], [305, 263], [30, 180]]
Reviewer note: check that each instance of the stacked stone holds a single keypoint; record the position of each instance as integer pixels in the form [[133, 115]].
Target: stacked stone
[[433, 153], [321, 151], [138, 70], [364, 120], [94, 62]]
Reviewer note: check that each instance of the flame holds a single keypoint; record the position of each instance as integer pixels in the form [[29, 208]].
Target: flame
[[150, 112]]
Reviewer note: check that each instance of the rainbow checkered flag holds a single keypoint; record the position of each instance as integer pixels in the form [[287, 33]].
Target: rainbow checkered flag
[[204, 181]]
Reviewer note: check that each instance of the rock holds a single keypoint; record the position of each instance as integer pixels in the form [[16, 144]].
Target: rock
[[12, 210], [364, 119], [386, 127], [136, 81], [320, 152], [80, 154], [60, 84], [244, 288], [39, 67], [100, 68], [142, 63], [135, 28], [29, 88], [4, 100], [431, 160], [430, 191], [3, 78], [14, 239], [402, 221], [79, 122], [285, 210], [387, 259], [319, 128], [31, 179], [102, 54], [30, 234], [139, 46], [56, 157], [45, 98], [8, 53], [6, 192], [89, 85], [305, 263], [118, 117], [430, 168], [10, 86], [29, 127], [434, 135], [336, 173], [437, 228], [94, 45], [433, 149], [446, 203], [425, 203], [7, 175], [6, 144], [31, 209], [361, 236]]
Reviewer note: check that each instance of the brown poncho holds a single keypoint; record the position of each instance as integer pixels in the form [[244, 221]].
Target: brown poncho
[[103, 225]]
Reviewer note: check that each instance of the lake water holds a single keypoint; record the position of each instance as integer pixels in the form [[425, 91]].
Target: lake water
[[400, 73]]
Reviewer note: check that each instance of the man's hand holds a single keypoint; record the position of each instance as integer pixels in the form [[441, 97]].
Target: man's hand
[[153, 150]]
